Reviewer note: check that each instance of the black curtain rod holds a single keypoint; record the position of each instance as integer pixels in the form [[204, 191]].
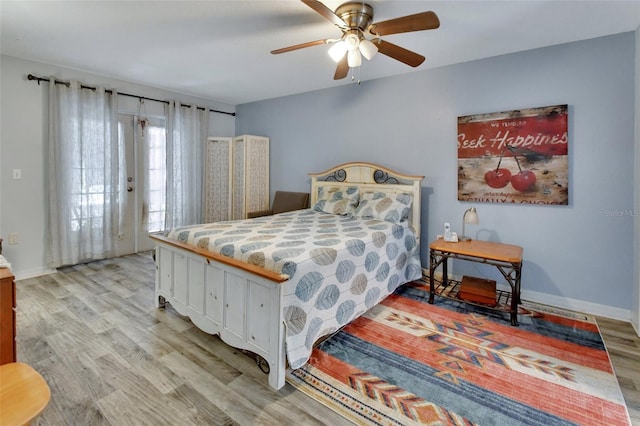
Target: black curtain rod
[[66, 83]]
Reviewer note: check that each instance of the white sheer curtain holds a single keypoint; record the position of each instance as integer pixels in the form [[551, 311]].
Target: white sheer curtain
[[187, 130], [85, 173]]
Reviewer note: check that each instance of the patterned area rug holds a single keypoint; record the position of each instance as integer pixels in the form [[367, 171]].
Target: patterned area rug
[[407, 362]]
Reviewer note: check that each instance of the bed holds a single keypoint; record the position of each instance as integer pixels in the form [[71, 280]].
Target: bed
[[275, 285]]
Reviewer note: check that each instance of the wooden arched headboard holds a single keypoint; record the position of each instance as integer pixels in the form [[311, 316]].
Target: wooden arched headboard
[[371, 177]]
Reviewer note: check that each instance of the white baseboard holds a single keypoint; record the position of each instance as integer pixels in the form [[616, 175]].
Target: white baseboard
[[559, 301], [32, 273], [577, 305]]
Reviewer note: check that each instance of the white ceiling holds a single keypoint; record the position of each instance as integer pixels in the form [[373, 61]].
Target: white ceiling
[[219, 50]]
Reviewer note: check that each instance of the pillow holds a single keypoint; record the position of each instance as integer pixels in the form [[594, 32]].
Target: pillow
[[337, 200], [393, 208]]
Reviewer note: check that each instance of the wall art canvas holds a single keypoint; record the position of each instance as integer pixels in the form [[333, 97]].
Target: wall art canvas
[[519, 156]]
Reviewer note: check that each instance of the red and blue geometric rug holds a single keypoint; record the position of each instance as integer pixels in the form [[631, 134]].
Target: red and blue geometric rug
[[408, 362]]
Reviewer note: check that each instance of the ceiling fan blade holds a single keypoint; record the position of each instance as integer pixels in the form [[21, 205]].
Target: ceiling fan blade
[[300, 46], [418, 22], [343, 68], [325, 11], [399, 53]]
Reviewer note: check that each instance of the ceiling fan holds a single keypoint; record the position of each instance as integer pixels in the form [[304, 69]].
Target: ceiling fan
[[355, 19]]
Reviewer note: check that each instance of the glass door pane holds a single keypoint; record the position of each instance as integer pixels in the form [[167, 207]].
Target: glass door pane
[[144, 141]]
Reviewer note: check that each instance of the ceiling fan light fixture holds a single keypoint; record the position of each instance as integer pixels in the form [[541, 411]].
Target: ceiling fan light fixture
[[368, 49], [338, 50], [354, 59], [352, 41]]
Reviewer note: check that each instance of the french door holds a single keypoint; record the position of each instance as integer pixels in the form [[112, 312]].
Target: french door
[[144, 142]]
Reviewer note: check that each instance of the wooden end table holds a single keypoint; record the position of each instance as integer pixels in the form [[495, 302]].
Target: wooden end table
[[507, 258]]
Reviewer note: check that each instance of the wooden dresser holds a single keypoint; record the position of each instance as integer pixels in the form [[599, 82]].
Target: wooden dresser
[[7, 316]]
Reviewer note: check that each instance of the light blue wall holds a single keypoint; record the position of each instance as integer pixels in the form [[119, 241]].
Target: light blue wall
[[635, 314], [581, 254]]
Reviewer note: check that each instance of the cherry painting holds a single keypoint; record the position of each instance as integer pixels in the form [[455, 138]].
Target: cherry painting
[[518, 156]]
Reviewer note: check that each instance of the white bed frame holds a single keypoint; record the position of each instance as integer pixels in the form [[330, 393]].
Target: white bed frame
[[241, 302]]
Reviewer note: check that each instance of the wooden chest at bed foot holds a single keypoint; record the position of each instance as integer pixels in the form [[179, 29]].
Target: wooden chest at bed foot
[[477, 290]]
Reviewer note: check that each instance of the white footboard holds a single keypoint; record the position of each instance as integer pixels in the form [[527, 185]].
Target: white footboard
[[243, 308]]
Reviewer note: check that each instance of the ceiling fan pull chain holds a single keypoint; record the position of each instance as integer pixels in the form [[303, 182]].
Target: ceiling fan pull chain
[[353, 74]]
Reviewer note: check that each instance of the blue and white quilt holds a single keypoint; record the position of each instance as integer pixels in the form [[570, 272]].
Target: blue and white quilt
[[338, 266]]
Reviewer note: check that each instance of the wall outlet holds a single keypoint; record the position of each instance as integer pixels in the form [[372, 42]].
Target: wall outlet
[[13, 238], [17, 174]]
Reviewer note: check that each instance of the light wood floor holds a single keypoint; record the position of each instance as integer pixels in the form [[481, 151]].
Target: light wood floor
[[111, 358]]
